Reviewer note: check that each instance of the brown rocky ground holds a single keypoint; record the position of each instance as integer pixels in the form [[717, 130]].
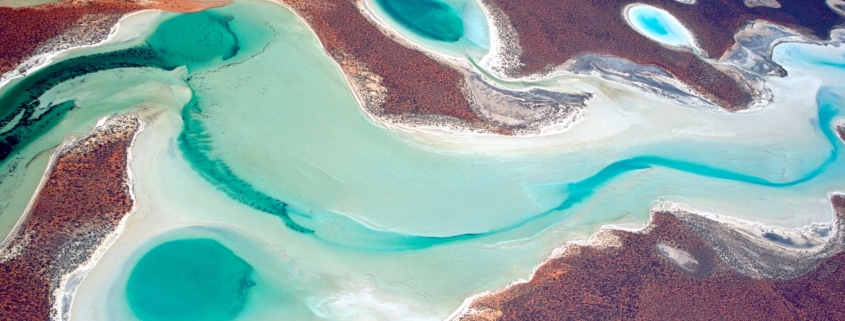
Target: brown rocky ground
[[554, 31], [82, 201], [636, 282], [23, 30], [408, 81]]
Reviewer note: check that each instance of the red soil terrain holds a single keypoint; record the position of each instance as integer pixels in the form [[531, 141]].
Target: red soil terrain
[[83, 200], [22, 30], [554, 31], [414, 82], [636, 282]]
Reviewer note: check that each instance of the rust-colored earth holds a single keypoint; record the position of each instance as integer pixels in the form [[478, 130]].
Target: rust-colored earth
[[83, 199], [554, 31], [635, 282], [415, 83], [22, 30]]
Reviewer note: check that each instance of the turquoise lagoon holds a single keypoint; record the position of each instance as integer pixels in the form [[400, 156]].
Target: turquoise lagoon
[[433, 19], [455, 28], [659, 25], [189, 279], [255, 144]]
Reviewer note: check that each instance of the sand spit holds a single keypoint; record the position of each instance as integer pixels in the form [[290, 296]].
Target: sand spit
[[523, 111], [76, 213], [27, 32], [681, 265]]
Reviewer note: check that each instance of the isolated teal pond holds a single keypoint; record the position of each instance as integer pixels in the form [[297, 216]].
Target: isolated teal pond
[[190, 280], [658, 24], [431, 18]]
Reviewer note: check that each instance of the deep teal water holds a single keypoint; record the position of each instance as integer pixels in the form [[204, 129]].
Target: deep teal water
[[195, 40], [433, 19], [190, 280]]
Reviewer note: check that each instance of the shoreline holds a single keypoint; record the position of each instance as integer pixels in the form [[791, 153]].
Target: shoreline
[[58, 241], [64, 293], [42, 60], [606, 237], [71, 21], [64, 145]]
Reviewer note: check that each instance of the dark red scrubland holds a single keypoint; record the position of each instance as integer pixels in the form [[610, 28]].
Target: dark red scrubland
[[415, 83], [554, 31], [635, 282], [22, 30], [83, 199]]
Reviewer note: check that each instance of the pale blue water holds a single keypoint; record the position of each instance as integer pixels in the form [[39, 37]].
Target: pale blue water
[[266, 124], [654, 25], [658, 25]]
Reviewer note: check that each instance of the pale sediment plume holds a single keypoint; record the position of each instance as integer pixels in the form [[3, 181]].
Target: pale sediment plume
[[83, 199]]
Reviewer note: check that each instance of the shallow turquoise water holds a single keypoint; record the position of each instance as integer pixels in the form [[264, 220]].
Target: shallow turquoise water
[[189, 279], [658, 25], [654, 25], [262, 122], [430, 18]]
